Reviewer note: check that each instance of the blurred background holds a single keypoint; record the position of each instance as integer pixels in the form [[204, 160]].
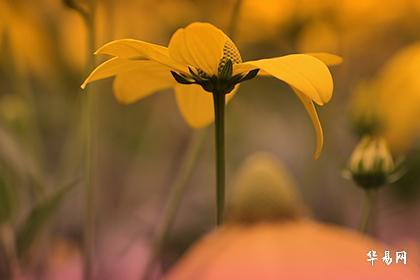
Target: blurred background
[[138, 148]]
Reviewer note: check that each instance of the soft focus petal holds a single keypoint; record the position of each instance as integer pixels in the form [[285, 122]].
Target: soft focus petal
[[397, 99], [310, 108], [135, 49], [304, 72], [303, 250], [112, 67], [327, 58], [196, 104], [199, 45], [130, 86]]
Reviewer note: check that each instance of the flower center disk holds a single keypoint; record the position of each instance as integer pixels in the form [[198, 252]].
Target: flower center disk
[[224, 82]]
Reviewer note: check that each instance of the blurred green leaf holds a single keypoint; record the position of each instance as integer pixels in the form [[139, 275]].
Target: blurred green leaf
[[6, 201], [38, 217], [12, 153]]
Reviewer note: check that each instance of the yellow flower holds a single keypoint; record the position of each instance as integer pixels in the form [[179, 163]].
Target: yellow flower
[[200, 58]]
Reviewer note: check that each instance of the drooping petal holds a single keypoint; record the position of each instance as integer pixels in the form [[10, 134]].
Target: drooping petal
[[112, 67], [199, 45], [304, 72], [131, 86], [310, 108], [196, 104], [140, 50], [327, 58]]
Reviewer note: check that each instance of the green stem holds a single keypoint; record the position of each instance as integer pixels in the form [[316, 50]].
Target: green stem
[[89, 107], [219, 111], [175, 196], [368, 208]]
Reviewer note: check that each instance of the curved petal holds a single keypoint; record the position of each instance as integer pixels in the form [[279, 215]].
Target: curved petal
[[131, 86], [310, 108], [138, 50], [196, 104], [327, 58], [304, 72], [199, 45], [112, 67]]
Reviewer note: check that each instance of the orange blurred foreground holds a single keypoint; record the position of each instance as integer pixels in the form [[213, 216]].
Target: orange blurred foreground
[[296, 250]]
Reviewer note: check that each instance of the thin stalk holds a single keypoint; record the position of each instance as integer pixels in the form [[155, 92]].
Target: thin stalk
[[175, 196], [88, 113], [219, 113], [368, 208], [88, 14]]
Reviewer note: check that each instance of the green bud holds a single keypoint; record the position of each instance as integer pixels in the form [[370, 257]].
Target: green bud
[[371, 165], [264, 191]]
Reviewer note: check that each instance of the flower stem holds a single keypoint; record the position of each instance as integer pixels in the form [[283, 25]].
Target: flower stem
[[175, 196], [219, 111], [89, 107], [368, 210]]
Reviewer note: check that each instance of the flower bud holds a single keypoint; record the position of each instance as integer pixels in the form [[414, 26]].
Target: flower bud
[[264, 191], [371, 164]]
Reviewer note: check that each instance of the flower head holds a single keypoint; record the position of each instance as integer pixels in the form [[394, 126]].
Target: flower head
[[201, 60], [371, 164]]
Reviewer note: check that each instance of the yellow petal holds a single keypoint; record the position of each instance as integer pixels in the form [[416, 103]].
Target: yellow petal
[[242, 68], [304, 72], [134, 85], [112, 67], [135, 49], [196, 104], [327, 58], [199, 45], [310, 108]]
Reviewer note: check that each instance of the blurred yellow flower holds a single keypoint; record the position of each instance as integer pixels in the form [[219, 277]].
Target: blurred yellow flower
[[303, 250], [269, 238], [318, 36], [202, 59], [390, 104], [25, 37], [262, 20], [398, 98], [363, 113]]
